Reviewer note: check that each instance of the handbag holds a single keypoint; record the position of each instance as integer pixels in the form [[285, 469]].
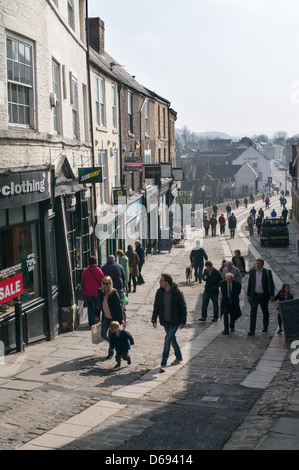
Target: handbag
[[96, 337]]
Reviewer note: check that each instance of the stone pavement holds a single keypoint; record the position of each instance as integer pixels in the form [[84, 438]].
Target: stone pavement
[[62, 395]]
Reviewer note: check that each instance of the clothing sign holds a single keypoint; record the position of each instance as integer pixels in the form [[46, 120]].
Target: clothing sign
[[11, 288], [18, 189]]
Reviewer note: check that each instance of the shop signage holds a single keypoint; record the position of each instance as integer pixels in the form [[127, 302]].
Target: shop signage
[[119, 196], [90, 175], [18, 189], [133, 163], [11, 288], [290, 320]]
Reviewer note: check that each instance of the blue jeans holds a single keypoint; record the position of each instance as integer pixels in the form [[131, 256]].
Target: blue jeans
[[170, 339], [92, 303], [205, 302]]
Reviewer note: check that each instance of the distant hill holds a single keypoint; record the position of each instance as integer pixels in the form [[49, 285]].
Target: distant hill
[[213, 135]]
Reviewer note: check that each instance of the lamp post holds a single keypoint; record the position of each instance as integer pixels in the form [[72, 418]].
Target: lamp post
[[203, 188], [233, 187]]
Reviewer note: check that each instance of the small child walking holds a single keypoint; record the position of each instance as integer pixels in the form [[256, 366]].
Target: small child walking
[[283, 294], [120, 340]]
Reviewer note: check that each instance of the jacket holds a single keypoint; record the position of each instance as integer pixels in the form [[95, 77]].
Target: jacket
[[178, 307], [116, 272], [124, 262], [121, 343], [212, 281], [114, 305], [140, 252], [234, 306], [91, 280], [133, 262], [267, 283], [197, 256]]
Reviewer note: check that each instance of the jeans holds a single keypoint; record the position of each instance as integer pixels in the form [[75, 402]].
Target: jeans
[[222, 229], [213, 230], [232, 232], [198, 272], [92, 303], [205, 302], [170, 340]]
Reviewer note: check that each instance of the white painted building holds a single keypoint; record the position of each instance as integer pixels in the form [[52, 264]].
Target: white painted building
[[246, 180], [260, 163]]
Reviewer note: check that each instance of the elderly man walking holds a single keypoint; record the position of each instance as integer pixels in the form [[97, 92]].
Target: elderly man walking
[[230, 303]]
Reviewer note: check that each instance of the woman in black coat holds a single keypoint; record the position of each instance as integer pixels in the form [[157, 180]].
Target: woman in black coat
[[110, 306]]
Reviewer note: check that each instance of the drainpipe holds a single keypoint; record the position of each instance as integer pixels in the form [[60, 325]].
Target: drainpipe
[[122, 178]]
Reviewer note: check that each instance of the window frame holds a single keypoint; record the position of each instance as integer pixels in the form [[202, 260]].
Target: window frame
[[100, 99]]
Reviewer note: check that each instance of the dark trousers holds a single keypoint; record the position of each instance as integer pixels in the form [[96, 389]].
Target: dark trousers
[[170, 340], [205, 302], [121, 355], [198, 272], [259, 299], [228, 318]]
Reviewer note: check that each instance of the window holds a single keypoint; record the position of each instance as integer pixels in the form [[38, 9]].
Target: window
[[100, 102], [104, 185], [130, 112], [71, 13], [147, 118], [75, 108], [115, 154], [114, 108], [56, 91], [20, 82]]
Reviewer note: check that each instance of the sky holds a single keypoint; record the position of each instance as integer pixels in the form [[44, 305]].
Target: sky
[[228, 66]]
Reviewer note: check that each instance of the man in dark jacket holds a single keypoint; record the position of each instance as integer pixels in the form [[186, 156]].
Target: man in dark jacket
[[213, 278], [171, 308], [197, 256], [140, 252], [230, 303], [117, 274], [260, 290]]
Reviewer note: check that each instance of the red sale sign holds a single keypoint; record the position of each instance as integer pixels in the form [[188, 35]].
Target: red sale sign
[[11, 288]]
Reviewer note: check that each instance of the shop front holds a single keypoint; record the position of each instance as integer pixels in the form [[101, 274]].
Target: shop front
[[27, 238]]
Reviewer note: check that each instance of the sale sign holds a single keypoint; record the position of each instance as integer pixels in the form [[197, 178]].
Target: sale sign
[[11, 288]]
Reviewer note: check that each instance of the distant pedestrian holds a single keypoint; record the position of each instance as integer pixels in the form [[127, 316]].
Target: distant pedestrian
[[206, 224], [197, 257], [91, 281], [133, 267], [284, 214], [260, 290], [120, 340], [230, 303], [267, 202], [141, 255], [261, 213], [213, 223], [239, 262], [250, 223], [109, 309], [124, 262], [237, 202], [232, 224], [228, 210], [211, 292], [273, 213], [215, 209], [223, 264], [283, 294], [251, 198], [171, 309], [222, 223], [230, 268], [258, 224], [253, 212], [245, 202]]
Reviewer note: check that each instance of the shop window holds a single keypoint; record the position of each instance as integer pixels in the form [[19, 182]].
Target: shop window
[[16, 215], [19, 253]]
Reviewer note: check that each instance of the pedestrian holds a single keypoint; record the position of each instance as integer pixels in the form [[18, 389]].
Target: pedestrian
[[141, 255], [253, 212], [267, 202], [109, 309], [230, 268], [230, 302], [232, 224], [237, 202], [251, 198], [206, 224], [211, 292], [228, 211], [215, 209], [197, 256], [117, 274], [223, 264], [250, 223], [170, 306], [273, 213], [222, 223], [245, 202], [133, 267], [120, 340], [260, 290], [239, 262], [258, 224], [91, 281], [124, 262], [283, 294], [261, 213], [284, 214], [213, 223]]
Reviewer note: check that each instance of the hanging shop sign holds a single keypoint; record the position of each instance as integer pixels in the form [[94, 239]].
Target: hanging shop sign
[[119, 196], [90, 175], [20, 189], [11, 288], [133, 163]]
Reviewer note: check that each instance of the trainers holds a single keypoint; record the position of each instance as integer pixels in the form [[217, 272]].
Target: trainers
[[279, 331], [214, 319], [129, 360], [176, 361], [162, 369]]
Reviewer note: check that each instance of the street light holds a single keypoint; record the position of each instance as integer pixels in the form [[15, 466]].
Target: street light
[[203, 188], [233, 186]]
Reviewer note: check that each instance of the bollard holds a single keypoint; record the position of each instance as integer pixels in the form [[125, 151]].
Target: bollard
[[19, 326]]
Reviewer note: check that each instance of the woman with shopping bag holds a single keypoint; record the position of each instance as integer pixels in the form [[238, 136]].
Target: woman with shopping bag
[[110, 307]]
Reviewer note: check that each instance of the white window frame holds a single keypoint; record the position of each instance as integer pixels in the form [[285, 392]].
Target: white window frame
[[100, 101], [19, 85], [75, 114], [130, 113], [114, 106], [103, 163], [147, 133], [57, 96], [71, 13]]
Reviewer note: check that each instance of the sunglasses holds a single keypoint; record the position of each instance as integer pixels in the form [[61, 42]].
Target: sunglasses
[[105, 283]]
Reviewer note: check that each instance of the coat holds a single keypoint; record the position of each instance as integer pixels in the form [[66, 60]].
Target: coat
[[234, 306], [124, 262], [133, 262], [198, 254], [121, 343], [267, 283], [114, 305], [212, 281], [116, 272], [178, 307], [91, 280]]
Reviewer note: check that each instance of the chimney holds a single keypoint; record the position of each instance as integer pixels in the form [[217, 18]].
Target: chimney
[[97, 34]]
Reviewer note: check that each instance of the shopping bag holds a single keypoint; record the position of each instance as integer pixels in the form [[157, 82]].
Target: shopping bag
[[125, 300], [96, 337]]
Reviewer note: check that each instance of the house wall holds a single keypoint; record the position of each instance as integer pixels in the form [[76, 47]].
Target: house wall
[[259, 163]]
